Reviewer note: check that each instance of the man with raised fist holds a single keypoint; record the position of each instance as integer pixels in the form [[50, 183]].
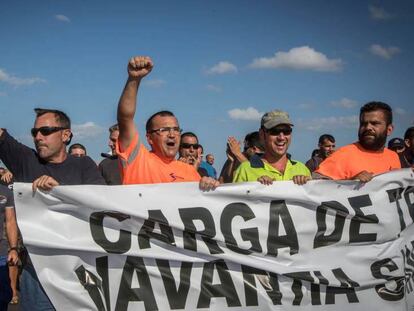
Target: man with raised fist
[[163, 134]]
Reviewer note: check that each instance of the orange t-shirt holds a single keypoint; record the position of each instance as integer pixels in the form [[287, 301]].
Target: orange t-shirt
[[350, 160], [140, 166]]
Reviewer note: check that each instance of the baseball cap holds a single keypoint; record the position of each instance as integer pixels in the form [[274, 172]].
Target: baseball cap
[[274, 118], [396, 143]]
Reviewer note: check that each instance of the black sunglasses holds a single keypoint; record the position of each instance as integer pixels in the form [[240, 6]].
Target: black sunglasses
[[188, 146], [46, 130], [275, 131]]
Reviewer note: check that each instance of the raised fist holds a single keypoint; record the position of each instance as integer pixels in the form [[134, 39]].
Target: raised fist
[[139, 67]]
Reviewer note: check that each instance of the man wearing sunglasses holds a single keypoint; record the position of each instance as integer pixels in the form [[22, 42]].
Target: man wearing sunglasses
[[275, 165], [190, 152], [139, 165], [50, 165], [47, 166]]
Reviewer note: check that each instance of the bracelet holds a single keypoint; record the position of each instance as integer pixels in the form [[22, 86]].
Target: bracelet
[[13, 249]]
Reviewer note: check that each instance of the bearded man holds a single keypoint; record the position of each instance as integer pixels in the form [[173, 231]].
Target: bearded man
[[368, 156]]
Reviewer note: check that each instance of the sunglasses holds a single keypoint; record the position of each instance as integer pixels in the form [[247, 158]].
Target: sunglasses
[[275, 131], [188, 146], [46, 130]]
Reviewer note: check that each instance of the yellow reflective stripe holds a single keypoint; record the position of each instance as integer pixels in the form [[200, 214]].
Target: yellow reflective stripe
[[133, 154]]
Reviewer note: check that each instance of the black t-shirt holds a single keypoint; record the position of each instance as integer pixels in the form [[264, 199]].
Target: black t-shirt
[[202, 172], [313, 163], [6, 201], [7, 184], [110, 170], [227, 176], [406, 159], [27, 166]]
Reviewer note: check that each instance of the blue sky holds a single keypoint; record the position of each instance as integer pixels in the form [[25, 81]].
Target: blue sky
[[219, 65]]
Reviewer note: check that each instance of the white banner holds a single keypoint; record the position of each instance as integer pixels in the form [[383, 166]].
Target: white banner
[[322, 246]]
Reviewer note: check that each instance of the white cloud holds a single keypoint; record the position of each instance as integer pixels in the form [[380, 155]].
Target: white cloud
[[222, 68], [344, 103], [87, 130], [213, 88], [248, 114], [384, 52], [156, 83], [328, 123], [13, 80], [379, 13], [300, 58], [62, 18]]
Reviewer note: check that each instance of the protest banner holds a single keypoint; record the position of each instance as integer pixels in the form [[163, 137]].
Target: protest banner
[[323, 246]]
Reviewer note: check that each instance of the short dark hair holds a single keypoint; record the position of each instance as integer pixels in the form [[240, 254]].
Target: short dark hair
[[315, 152], [253, 140], [77, 146], [113, 128], [189, 134], [409, 133], [163, 113], [374, 106], [326, 136], [61, 117]]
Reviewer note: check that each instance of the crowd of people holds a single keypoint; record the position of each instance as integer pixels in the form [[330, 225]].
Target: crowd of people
[[175, 157]]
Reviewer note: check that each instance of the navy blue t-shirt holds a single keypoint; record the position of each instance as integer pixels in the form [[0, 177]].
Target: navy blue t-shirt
[[26, 165]]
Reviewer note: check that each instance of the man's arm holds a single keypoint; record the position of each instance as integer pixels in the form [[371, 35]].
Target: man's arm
[[138, 67], [363, 176], [208, 183], [233, 154], [12, 231], [7, 177], [234, 147], [14, 155], [45, 183]]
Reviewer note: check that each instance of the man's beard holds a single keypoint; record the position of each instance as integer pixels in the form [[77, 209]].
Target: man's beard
[[325, 154], [375, 144]]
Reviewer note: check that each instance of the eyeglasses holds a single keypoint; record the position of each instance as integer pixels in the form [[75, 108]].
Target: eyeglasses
[[46, 130], [166, 130], [275, 131], [188, 146]]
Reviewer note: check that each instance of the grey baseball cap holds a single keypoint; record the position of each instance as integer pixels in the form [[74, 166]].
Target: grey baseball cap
[[274, 118]]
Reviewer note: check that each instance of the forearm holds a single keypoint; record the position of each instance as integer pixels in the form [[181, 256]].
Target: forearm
[[138, 67], [126, 112], [128, 101], [11, 227], [315, 175], [240, 157]]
